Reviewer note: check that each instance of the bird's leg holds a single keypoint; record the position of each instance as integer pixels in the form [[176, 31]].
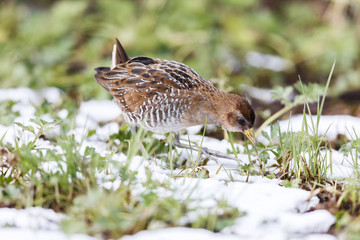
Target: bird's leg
[[203, 151], [177, 143]]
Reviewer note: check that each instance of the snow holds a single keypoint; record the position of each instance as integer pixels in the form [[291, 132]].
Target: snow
[[267, 61], [314, 222], [261, 94], [33, 223], [271, 211], [268, 207], [16, 234], [330, 126], [343, 166], [202, 234], [92, 112], [31, 218], [22, 95], [28, 96], [179, 234]]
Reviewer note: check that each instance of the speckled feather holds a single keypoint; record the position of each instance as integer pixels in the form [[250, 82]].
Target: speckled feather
[[166, 95]]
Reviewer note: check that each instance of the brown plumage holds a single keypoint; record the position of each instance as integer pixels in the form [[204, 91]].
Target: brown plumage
[[164, 96]]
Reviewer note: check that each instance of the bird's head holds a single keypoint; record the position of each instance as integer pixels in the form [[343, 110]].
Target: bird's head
[[238, 116]]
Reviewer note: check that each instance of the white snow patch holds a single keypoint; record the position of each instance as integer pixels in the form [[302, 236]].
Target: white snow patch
[[92, 112], [193, 130], [329, 126], [51, 94], [338, 165], [314, 237], [261, 94], [22, 95], [265, 204], [28, 96], [179, 234], [21, 234], [13, 132], [311, 222], [26, 111], [104, 132], [271, 62], [30, 218]]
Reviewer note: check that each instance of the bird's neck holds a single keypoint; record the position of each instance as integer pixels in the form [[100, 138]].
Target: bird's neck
[[221, 102]]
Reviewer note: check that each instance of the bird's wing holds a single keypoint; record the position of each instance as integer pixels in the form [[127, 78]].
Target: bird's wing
[[142, 79]]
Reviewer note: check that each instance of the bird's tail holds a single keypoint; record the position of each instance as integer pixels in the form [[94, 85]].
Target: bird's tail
[[98, 76], [118, 54]]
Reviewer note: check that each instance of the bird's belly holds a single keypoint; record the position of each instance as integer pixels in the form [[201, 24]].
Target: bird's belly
[[158, 118]]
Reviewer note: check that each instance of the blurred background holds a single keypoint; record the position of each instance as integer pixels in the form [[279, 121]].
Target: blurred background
[[237, 44]]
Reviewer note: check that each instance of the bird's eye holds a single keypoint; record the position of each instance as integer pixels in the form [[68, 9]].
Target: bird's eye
[[241, 121]]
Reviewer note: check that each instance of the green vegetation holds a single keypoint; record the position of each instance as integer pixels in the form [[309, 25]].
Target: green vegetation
[[112, 214], [58, 43], [66, 179]]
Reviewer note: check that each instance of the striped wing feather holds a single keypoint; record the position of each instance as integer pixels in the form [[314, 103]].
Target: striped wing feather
[[143, 79]]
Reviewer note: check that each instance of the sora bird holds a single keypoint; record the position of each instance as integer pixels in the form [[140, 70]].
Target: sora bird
[[167, 96]]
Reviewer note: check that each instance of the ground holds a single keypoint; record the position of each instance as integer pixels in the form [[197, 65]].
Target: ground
[[264, 208]]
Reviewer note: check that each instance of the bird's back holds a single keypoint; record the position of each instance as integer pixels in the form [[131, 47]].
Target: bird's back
[[157, 92]]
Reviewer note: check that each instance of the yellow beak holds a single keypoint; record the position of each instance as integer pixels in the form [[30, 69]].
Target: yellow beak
[[249, 133]]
